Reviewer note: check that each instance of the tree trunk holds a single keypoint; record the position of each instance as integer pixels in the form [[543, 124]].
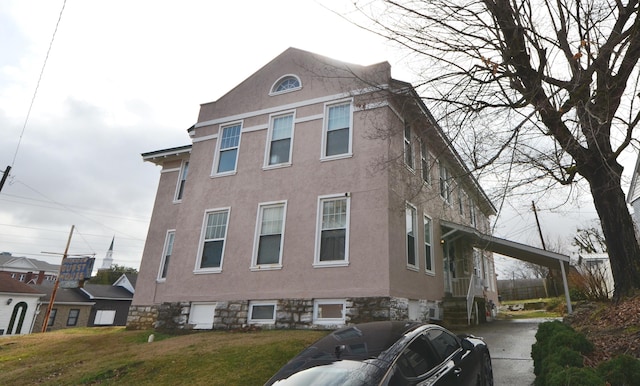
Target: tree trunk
[[617, 226]]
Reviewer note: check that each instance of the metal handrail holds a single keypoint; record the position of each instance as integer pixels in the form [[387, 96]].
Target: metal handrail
[[470, 297]]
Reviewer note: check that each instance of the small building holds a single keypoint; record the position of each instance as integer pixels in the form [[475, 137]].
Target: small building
[[70, 309], [111, 302], [18, 306], [595, 268], [27, 270]]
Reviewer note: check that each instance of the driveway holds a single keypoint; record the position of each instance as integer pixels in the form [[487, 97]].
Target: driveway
[[510, 343]]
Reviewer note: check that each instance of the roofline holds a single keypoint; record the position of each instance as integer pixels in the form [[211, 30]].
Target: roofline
[[447, 141], [497, 244], [152, 156], [23, 294], [92, 297], [70, 303]]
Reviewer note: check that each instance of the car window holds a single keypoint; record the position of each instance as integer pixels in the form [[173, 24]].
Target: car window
[[444, 343], [416, 360]]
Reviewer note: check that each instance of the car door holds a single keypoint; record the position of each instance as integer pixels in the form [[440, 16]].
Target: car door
[[458, 365], [414, 365]]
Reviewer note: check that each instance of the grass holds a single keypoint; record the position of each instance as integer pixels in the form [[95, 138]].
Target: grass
[[114, 356]]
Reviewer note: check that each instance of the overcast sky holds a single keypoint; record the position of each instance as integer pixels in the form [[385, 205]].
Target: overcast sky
[[127, 77]]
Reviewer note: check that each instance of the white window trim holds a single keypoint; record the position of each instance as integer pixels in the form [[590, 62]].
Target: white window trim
[[408, 141], [447, 182], [267, 154], [415, 267], [256, 240], [180, 176], [329, 321], [334, 263], [325, 126], [424, 160], [197, 269], [431, 271], [280, 79], [216, 157], [164, 254], [262, 303]]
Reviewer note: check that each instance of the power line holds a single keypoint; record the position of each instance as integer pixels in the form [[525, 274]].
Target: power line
[[24, 126]]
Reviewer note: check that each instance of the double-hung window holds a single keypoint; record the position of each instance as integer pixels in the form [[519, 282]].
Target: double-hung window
[[412, 239], [280, 140], [424, 157], [214, 236], [445, 183], [181, 181], [408, 147], [52, 317], [166, 256], [332, 239], [229, 143], [72, 320], [428, 253], [337, 130], [269, 236], [472, 212]]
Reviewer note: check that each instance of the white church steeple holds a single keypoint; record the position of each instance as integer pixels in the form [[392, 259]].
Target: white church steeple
[[107, 262]]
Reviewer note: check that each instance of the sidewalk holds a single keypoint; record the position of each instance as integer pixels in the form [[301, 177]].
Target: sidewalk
[[510, 343]]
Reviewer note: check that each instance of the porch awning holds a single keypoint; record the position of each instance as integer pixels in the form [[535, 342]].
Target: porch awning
[[502, 246]]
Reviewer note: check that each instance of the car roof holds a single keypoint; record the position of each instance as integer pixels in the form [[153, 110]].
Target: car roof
[[361, 341]]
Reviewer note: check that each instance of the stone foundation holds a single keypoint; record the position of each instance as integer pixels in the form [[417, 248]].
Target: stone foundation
[[142, 317], [290, 313]]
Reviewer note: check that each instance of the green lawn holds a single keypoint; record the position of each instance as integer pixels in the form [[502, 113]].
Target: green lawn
[[114, 356]]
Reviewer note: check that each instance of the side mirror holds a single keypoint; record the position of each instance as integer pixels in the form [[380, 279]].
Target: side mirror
[[467, 345]]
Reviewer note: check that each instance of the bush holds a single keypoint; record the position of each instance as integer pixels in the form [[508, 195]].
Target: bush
[[620, 371], [558, 347], [574, 376]]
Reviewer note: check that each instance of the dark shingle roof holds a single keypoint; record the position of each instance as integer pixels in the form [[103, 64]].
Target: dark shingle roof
[[106, 291], [9, 284], [63, 295]]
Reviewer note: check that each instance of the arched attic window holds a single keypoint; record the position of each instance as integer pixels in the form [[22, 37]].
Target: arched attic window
[[285, 84]]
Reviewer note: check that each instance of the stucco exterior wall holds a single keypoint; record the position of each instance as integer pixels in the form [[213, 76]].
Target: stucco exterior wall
[[373, 177]]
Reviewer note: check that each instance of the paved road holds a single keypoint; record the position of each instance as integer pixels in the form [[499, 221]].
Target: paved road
[[510, 343]]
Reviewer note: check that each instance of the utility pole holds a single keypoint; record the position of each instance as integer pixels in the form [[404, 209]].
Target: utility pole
[[4, 177], [55, 286], [562, 270], [535, 212]]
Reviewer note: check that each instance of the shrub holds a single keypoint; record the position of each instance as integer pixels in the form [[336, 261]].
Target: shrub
[[557, 347], [574, 376], [622, 370]]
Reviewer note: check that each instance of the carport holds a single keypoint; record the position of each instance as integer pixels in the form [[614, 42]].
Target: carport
[[510, 248]]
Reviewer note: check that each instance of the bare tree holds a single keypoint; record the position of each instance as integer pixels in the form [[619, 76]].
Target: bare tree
[[590, 240], [534, 93]]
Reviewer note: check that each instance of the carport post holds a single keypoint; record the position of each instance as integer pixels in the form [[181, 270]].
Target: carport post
[[566, 288]]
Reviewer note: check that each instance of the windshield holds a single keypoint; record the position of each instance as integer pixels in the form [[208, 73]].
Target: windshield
[[351, 373]]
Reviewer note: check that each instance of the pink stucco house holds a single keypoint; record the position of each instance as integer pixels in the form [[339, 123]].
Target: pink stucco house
[[315, 193]]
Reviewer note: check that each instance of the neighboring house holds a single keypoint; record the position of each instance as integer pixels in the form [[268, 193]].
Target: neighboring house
[[316, 193], [127, 281], [112, 303], [18, 306], [26, 270], [597, 267], [633, 198], [70, 308]]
